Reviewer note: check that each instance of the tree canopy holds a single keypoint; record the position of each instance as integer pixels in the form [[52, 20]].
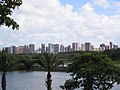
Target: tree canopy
[[114, 54], [6, 10], [6, 62], [92, 71]]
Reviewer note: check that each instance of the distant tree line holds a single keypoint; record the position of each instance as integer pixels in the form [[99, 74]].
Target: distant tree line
[[114, 54]]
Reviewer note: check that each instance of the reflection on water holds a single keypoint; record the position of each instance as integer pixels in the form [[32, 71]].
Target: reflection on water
[[36, 80]]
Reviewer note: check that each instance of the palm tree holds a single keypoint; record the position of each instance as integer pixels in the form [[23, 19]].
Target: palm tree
[[5, 64], [48, 62]]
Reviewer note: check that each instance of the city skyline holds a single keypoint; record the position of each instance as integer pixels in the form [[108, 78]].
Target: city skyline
[[40, 44], [64, 22], [56, 48]]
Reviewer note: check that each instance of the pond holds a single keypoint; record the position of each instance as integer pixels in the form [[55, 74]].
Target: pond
[[36, 80]]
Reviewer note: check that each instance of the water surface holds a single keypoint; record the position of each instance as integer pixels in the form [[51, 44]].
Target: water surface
[[36, 80]]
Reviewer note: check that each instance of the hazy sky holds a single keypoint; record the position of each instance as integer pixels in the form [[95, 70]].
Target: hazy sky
[[64, 22]]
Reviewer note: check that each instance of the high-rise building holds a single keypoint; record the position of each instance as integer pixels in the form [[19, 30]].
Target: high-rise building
[[51, 48], [111, 45], [17, 48], [82, 47], [107, 47], [62, 48], [75, 46], [69, 49], [56, 48], [20, 50], [66, 49], [92, 48], [43, 48], [31, 48], [87, 47], [47, 50], [7, 49], [13, 50], [26, 49]]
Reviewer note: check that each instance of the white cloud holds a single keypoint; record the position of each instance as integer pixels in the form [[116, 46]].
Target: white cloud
[[102, 3], [87, 7], [117, 3], [47, 21], [117, 6]]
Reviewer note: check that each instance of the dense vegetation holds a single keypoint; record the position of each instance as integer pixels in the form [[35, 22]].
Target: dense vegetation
[[114, 54], [95, 70], [92, 71]]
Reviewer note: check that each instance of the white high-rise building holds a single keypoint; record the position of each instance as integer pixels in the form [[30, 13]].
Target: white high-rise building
[[51, 48], [62, 48], [13, 50], [75, 46], [56, 48], [82, 47]]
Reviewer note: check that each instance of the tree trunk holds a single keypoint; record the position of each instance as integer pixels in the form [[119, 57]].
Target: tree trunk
[[3, 83], [49, 81]]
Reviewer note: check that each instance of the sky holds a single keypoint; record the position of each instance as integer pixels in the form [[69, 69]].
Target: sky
[[64, 22]]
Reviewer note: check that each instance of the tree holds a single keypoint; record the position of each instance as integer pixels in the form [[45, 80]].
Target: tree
[[92, 71], [114, 54], [48, 62], [5, 65], [26, 62], [6, 10]]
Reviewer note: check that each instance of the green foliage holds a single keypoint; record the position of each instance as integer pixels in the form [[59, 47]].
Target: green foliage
[[48, 61], [6, 10], [92, 71], [114, 54], [24, 62], [6, 62]]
